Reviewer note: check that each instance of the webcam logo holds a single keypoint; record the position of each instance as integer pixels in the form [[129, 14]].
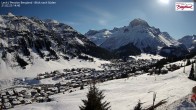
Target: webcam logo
[[184, 6]]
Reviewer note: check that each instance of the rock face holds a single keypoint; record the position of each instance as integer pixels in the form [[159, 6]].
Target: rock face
[[144, 37], [127, 50], [22, 38], [98, 37], [189, 42]]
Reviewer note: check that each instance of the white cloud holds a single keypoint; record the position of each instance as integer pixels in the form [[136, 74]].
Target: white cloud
[[99, 12], [102, 17], [102, 22]]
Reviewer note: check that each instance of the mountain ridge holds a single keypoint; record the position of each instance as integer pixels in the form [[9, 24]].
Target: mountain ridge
[[139, 33], [188, 40], [23, 39]]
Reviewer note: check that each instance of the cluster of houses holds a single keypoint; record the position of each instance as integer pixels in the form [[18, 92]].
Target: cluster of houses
[[119, 64], [164, 70], [73, 78], [82, 76], [26, 95], [68, 79], [140, 66]]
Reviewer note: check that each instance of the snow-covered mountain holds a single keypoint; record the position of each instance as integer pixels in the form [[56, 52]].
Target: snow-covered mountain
[[27, 42], [189, 41], [98, 37], [139, 33]]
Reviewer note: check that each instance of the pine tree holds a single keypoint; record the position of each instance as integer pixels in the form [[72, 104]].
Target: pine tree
[[138, 106], [191, 75], [82, 87], [133, 70], [94, 100], [188, 62]]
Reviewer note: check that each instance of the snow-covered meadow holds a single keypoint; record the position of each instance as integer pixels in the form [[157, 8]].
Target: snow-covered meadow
[[123, 94]]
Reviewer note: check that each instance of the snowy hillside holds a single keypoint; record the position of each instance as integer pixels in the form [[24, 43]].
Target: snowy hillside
[[30, 45], [11, 70], [123, 94], [147, 57], [146, 38]]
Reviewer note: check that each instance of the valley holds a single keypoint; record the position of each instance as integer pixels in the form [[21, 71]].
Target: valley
[[46, 65]]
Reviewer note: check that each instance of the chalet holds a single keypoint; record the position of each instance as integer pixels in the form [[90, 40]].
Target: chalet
[[7, 105], [36, 95], [3, 94], [42, 91], [50, 93], [12, 97], [164, 70], [73, 81], [27, 101], [5, 97], [33, 92], [20, 95], [75, 85], [37, 88], [157, 71], [63, 83], [5, 100], [44, 94], [16, 102], [62, 90], [10, 92], [138, 72], [53, 89], [27, 94], [39, 99], [151, 71], [23, 91], [40, 77], [85, 80], [20, 98]]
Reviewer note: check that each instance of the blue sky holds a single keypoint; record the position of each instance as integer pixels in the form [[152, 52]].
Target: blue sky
[[107, 14]]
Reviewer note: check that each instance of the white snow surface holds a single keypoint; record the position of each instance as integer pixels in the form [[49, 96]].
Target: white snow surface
[[40, 66], [147, 57], [123, 94], [79, 41]]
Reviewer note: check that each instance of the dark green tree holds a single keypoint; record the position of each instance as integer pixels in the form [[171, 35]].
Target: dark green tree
[[133, 70], [82, 87], [188, 62], [138, 106], [191, 75], [95, 100]]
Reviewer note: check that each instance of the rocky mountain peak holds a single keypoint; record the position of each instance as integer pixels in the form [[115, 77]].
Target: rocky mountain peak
[[137, 22], [10, 14]]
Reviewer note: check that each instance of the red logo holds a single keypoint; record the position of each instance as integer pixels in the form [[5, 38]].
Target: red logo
[[184, 6]]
